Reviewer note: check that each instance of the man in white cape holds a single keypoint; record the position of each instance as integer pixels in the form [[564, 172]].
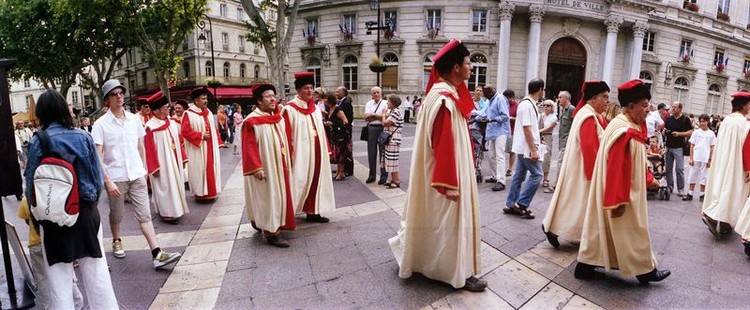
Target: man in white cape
[[266, 166], [165, 159], [439, 235], [312, 184], [568, 205], [615, 229], [201, 133]]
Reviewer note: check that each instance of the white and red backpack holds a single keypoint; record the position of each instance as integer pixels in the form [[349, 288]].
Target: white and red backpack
[[55, 192]]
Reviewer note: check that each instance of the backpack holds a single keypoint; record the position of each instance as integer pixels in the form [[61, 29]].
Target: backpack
[[55, 192]]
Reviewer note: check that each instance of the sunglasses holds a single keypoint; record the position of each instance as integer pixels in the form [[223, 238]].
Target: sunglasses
[[116, 94]]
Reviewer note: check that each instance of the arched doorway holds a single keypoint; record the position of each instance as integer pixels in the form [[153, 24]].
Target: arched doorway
[[566, 68]]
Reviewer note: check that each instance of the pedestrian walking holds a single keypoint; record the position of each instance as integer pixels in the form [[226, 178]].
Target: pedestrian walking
[[345, 103], [510, 95], [566, 121], [237, 122], [547, 124], [200, 130], [373, 112], [338, 135], [678, 129], [497, 118]]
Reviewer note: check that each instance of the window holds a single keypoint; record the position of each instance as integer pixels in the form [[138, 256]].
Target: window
[[350, 23], [226, 69], [647, 78], [186, 68], [209, 68], [724, 6], [26, 83], [479, 21], [241, 42], [224, 38], [311, 29], [433, 19], [681, 90], [389, 78], [28, 101], [713, 102], [313, 65], [209, 39], [427, 65], [144, 77], [223, 10], [256, 71], [479, 73], [719, 57], [648, 41], [350, 69], [74, 97], [240, 14], [242, 71], [185, 44], [391, 19], [746, 66], [686, 50], [131, 57]]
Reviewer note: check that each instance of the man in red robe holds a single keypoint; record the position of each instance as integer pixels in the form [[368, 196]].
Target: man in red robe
[[200, 130], [615, 230]]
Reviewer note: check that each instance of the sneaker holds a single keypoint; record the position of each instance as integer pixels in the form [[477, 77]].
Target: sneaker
[[701, 197], [687, 197], [508, 173], [117, 250], [165, 258], [490, 180]]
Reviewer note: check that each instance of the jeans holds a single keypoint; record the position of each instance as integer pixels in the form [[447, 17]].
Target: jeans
[[497, 159], [675, 155], [517, 194], [372, 151]]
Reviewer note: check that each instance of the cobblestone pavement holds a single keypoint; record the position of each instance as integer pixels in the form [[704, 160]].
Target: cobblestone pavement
[[347, 263]]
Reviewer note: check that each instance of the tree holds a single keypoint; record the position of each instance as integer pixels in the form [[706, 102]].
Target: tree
[[275, 38], [161, 26]]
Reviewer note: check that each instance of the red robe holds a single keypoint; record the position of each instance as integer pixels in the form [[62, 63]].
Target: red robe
[[204, 168]]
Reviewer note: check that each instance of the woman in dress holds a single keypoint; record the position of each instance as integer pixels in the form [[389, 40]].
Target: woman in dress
[[547, 123], [338, 136], [393, 122]]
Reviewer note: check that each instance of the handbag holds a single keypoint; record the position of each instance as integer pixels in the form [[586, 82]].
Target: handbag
[[384, 137], [364, 135]]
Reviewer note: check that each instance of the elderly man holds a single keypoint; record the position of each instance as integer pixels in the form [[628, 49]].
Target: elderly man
[[566, 121], [679, 128], [615, 230], [373, 116], [654, 123], [498, 130], [200, 130], [266, 166], [568, 205], [311, 166], [439, 236]]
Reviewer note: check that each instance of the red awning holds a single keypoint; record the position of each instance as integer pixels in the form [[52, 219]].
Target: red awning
[[232, 92]]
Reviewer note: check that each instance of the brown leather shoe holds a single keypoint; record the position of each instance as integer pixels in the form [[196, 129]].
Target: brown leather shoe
[[475, 285], [275, 241]]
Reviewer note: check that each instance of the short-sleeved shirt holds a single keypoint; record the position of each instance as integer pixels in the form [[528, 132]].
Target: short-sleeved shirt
[[119, 141], [373, 107], [566, 122], [703, 140], [547, 120], [653, 121], [681, 124], [526, 115]]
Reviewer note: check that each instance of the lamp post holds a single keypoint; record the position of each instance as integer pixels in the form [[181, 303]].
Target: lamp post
[[201, 40], [375, 5]]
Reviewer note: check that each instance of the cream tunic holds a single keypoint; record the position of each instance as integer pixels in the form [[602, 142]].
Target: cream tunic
[[168, 188], [199, 155], [438, 237]]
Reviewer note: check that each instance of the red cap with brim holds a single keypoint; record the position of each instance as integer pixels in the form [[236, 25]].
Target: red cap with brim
[[259, 89], [632, 91], [588, 91], [157, 100], [195, 93], [303, 78]]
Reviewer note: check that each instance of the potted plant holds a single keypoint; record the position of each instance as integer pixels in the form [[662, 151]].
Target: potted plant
[[719, 67], [377, 65], [722, 16], [213, 83], [309, 35], [691, 6]]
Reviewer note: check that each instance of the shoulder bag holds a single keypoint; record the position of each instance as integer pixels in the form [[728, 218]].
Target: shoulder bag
[[364, 135]]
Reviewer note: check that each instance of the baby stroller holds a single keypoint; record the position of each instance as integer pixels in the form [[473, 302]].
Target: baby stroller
[[658, 169], [476, 142]]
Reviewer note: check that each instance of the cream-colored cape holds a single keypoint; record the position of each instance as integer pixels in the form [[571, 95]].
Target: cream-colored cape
[[168, 188], [726, 190], [624, 242], [266, 200], [438, 237], [303, 138], [568, 205], [199, 155]]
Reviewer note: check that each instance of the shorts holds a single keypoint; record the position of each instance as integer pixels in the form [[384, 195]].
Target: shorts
[[137, 192], [698, 173]]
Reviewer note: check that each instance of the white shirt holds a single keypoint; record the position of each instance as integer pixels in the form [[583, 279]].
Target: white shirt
[[372, 107], [653, 121], [119, 143], [526, 116], [703, 140], [24, 135], [548, 120], [407, 104]]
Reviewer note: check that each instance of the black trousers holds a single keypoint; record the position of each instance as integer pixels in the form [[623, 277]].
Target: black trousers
[[372, 151], [406, 115], [349, 165]]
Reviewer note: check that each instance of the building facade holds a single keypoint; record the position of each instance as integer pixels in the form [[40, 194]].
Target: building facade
[[693, 51], [23, 93]]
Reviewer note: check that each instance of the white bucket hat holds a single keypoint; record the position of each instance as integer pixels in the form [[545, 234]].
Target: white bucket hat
[[109, 85]]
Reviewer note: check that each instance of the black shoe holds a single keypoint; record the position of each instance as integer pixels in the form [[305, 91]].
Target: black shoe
[[653, 276], [19, 197], [382, 181], [475, 285], [275, 241], [701, 197], [551, 238], [252, 223], [316, 218], [498, 187], [711, 224], [587, 272], [687, 197], [370, 180], [490, 180]]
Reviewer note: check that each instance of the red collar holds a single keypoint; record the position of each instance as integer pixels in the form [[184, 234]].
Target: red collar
[[162, 127], [464, 102], [203, 112], [310, 106], [264, 119]]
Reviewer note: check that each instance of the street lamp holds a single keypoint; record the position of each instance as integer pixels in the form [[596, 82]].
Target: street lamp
[[375, 5], [202, 40]]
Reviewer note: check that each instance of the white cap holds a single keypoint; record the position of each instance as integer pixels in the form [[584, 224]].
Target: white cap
[[109, 85]]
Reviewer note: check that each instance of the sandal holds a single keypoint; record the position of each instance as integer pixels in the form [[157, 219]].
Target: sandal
[[393, 185], [545, 183], [549, 190], [511, 211], [527, 214]]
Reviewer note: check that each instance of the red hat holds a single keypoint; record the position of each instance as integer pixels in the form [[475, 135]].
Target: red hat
[[197, 92], [740, 99], [450, 52], [184, 103], [259, 89], [632, 91], [157, 100], [303, 78], [588, 91]]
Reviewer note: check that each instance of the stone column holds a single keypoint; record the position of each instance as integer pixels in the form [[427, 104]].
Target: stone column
[[505, 13], [639, 30], [613, 26], [536, 13]]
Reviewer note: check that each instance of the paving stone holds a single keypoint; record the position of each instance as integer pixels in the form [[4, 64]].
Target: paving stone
[[203, 253], [371, 207], [235, 285], [351, 291], [377, 229], [491, 259], [334, 264], [341, 214], [697, 253], [567, 279], [562, 257], [515, 283], [305, 297], [376, 253], [330, 239], [580, 303], [551, 296], [462, 299], [247, 231], [396, 202], [282, 276], [243, 254], [231, 220], [195, 277], [539, 264], [522, 244], [194, 299], [213, 235], [493, 238], [412, 293], [221, 211], [266, 254]]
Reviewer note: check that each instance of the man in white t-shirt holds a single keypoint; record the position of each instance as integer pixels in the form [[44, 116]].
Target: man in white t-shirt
[[702, 143], [528, 147]]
